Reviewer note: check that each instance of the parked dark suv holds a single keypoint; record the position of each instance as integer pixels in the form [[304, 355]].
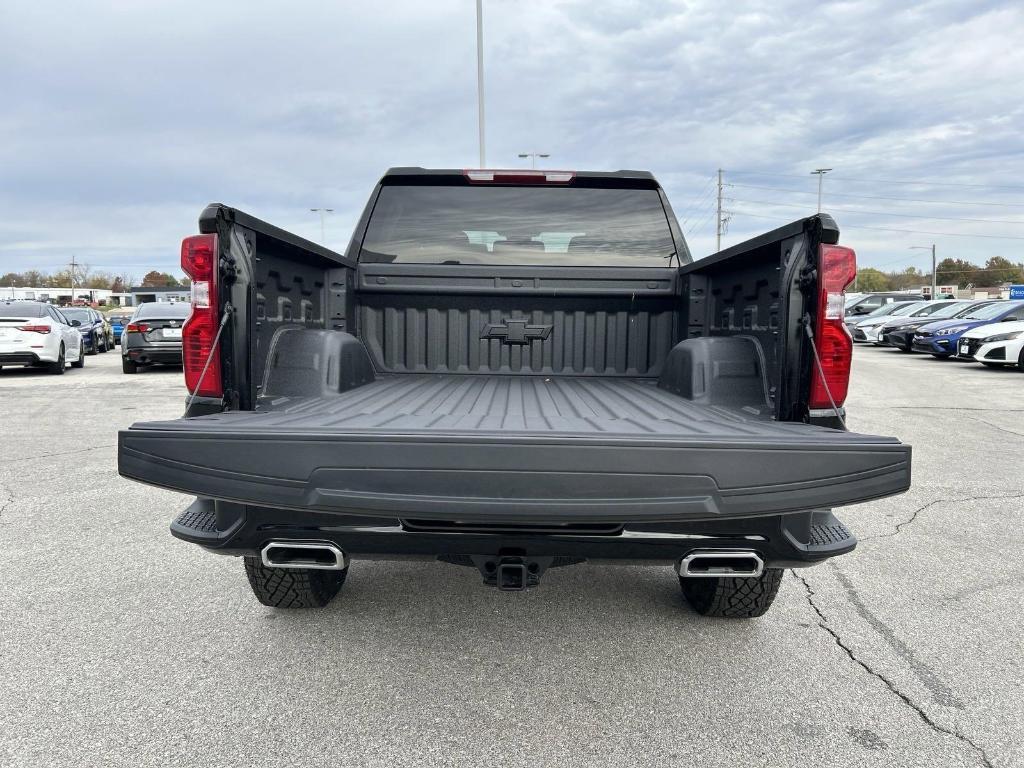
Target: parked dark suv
[[153, 336]]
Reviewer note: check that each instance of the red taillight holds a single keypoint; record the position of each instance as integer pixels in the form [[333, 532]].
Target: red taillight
[[137, 327], [519, 176], [199, 260], [837, 266], [34, 328]]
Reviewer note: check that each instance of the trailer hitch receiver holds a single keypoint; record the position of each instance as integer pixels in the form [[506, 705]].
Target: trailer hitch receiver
[[511, 573], [512, 576]]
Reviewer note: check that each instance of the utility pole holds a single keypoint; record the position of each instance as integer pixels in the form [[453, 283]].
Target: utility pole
[[480, 77], [72, 266], [933, 272], [718, 218], [533, 157], [932, 249], [820, 173], [322, 212]]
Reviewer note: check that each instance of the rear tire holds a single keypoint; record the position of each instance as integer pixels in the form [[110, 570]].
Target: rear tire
[[80, 362], [732, 598], [57, 368], [292, 587], [127, 366]]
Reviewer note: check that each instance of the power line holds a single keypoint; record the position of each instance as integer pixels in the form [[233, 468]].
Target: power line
[[886, 213], [692, 209], [918, 182], [892, 229], [706, 218], [881, 197]]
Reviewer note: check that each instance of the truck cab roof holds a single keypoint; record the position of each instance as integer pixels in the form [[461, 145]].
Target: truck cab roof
[[447, 176]]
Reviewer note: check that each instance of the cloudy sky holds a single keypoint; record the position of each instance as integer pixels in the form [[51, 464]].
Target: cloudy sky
[[121, 120]]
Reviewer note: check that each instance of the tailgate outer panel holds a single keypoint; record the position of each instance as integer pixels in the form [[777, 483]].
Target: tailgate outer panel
[[487, 477]]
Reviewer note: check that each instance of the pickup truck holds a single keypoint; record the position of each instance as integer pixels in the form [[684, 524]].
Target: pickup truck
[[515, 371]]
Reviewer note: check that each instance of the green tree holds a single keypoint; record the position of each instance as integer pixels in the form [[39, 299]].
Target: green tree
[[61, 279], [870, 279], [958, 272], [155, 279], [11, 278], [908, 278], [99, 280], [33, 278], [999, 270]]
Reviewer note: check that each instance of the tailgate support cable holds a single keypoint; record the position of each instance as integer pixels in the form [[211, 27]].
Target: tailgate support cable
[[228, 309], [806, 322]]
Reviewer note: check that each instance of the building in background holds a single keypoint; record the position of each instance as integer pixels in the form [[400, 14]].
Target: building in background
[[145, 295], [986, 292], [90, 296], [941, 291]]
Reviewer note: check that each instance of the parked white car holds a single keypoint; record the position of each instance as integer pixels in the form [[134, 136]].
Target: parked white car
[[36, 334], [867, 327], [995, 344]]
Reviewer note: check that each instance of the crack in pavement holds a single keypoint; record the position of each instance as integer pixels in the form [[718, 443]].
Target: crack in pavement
[[925, 717], [910, 520], [996, 426], [63, 453], [10, 498], [938, 688]]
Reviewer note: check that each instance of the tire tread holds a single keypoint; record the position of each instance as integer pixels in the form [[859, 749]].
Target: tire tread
[[292, 587], [732, 598]]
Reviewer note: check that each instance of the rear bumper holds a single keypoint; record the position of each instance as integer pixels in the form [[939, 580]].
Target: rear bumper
[[515, 478], [783, 541], [144, 355], [19, 358]]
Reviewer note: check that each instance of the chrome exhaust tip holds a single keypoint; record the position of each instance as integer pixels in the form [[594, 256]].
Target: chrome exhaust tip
[[292, 554], [736, 564]]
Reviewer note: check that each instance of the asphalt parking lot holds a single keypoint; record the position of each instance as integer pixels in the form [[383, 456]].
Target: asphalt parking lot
[[120, 645]]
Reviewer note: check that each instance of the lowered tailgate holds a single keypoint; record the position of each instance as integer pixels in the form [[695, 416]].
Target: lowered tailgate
[[514, 449]]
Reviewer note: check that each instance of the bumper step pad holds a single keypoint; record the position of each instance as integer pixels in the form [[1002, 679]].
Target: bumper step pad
[[210, 522]]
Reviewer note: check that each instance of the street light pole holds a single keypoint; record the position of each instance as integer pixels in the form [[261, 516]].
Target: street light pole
[[820, 173], [322, 212], [932, 249], [480, 77], [533, 157]]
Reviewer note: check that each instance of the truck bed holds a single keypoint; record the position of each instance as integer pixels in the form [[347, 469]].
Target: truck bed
[[498, 447]]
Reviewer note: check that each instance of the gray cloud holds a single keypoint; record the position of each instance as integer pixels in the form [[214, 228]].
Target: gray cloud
[[121, 122]]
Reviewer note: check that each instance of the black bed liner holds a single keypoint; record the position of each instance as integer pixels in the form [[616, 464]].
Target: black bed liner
[[514, 448]]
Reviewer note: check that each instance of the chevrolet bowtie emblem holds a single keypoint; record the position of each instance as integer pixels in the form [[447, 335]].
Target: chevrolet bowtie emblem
[[515, 330]]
